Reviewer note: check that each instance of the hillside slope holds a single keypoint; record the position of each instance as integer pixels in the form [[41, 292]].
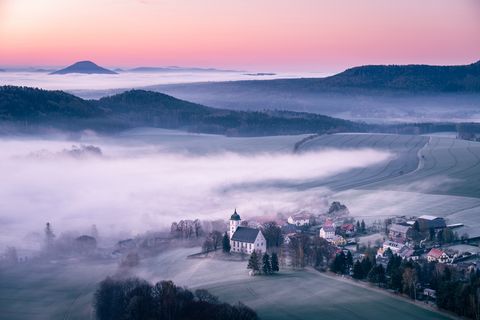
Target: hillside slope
[[368, 93], [57, 109]]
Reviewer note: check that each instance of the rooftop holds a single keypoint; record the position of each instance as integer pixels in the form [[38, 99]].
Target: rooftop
[[428, 217], [436, 253], [399, 228], [328, 229], [245, 234]]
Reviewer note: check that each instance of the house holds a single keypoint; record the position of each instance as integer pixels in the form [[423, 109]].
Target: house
[[348, 229], [288, 238], [395, 247], [245, 239], [399, 232], [301, 219], [408, 253], [430, 293], [338, 240], [437, 255], [427, 222], [327, 232]]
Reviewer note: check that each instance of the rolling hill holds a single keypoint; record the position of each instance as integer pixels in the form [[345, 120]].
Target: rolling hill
[[367, 93], [85, 67], [29, 109], [56, 109]]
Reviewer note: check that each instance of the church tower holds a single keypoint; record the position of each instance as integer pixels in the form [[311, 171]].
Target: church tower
[[234, 223]]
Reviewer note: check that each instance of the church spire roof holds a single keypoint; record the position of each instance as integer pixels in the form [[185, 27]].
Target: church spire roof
[[235, 215]]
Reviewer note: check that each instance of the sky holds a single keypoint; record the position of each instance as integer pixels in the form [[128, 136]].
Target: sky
[[260, 35]]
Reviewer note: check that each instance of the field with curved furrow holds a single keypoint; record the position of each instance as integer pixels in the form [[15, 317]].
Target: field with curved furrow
[[404, 158], [435, 165], [450, 166], [425, 175]]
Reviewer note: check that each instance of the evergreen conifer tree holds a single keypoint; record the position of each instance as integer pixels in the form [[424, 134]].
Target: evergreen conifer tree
[[266, 265], [253, 263], [358, 270], [226, 243], [275, 267]]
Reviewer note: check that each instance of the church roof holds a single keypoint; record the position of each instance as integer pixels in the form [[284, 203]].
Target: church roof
[[235, 216], [245, 234]]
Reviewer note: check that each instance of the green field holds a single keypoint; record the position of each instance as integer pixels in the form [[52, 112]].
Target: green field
[[64, 291]]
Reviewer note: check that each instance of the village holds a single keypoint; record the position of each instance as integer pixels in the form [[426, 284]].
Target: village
[[424, 258], [412, 256]]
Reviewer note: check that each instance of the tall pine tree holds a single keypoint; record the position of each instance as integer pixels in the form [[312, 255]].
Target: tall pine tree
[[275, 267], [266, 265], [358, 270], [226, 243], [253, 263]]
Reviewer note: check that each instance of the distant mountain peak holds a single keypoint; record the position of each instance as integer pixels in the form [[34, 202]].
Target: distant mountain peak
[[85, 67]]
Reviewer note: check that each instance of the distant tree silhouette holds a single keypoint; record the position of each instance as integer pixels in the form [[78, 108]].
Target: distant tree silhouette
[[49, 236]]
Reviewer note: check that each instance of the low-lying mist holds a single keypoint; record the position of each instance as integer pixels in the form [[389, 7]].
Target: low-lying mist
[[124, 189]]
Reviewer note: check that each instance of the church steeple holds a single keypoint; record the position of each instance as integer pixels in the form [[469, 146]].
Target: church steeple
[[234, 222], [235, 216]]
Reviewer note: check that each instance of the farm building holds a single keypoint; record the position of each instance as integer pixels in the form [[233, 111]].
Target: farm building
[[245, 239], [427, 222], [399, 232]]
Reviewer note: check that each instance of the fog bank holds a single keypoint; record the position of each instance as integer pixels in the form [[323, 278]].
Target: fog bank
[[130, 190]]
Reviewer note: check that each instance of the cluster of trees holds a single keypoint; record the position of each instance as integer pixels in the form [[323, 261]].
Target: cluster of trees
[[69, 243], [273, 234], [338, 208], [306, 251], [361, 227], [136, 299], [213, 241], [186, 229], [342, 262], [457, 290], [267, 265]]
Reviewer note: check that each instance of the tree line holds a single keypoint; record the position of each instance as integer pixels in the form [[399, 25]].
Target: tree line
[[136, 299], [266, 264], [457, 290]]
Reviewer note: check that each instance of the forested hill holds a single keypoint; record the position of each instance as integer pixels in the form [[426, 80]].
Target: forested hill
[[364, 79], [29, 109], [410, 78]]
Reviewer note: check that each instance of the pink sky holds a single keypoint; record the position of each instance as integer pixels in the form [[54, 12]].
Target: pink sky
[[300, 35]]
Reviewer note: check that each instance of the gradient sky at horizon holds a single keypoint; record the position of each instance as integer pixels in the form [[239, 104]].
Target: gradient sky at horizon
[[263, 35]]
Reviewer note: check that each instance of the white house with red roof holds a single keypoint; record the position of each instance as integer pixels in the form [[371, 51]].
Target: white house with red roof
[[438, 255]]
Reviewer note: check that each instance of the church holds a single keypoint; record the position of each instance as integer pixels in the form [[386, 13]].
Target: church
[[245, 239]]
